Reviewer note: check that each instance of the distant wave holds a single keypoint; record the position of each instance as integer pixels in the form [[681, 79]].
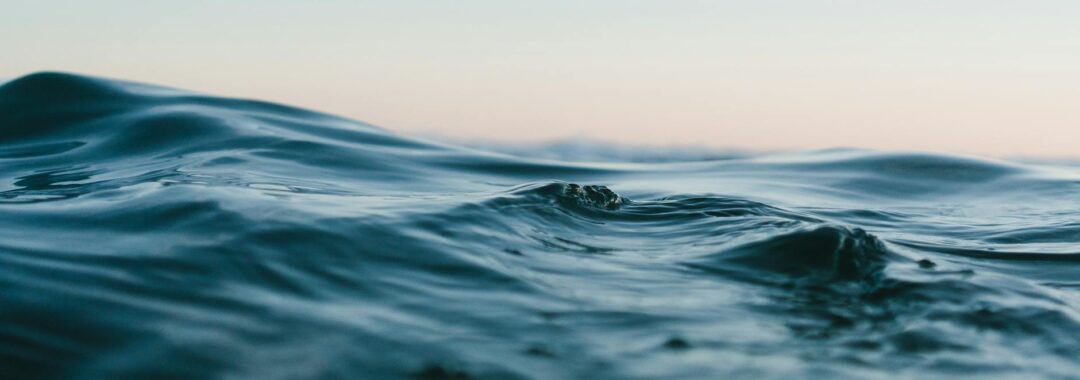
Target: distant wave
[[156, 233], [588, 150]]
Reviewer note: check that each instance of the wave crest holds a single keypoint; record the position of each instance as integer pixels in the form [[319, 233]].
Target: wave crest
[[819, 252]]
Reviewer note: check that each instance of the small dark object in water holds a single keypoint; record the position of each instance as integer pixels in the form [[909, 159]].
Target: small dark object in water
[[541, 351], [677, 343], [438, 372]]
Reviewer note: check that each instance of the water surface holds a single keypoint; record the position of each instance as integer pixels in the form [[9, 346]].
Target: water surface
[[155, 233]]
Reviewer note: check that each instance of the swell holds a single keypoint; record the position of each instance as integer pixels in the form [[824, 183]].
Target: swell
[[50, 119], [53, 122], [837, 285], [236, 238]]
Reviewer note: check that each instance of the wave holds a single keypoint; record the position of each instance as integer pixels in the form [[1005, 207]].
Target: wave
[[154, 232]]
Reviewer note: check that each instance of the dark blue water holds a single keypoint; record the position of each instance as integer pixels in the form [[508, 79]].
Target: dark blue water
[[154, 233]]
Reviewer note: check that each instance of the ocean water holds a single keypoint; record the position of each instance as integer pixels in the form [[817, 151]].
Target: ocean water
[[148, 232]]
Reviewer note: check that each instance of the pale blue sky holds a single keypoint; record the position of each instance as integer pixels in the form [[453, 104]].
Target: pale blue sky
[[984, 77]]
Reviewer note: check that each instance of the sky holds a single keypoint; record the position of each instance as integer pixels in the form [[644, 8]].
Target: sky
[[997, 78]]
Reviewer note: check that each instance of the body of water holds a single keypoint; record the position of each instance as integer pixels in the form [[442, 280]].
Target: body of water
[[154, 233]]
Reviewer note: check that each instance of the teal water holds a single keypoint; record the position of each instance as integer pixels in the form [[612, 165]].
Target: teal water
[[148, 232]]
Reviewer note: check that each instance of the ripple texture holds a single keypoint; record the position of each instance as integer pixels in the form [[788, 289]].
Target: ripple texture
[[156, 233]]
